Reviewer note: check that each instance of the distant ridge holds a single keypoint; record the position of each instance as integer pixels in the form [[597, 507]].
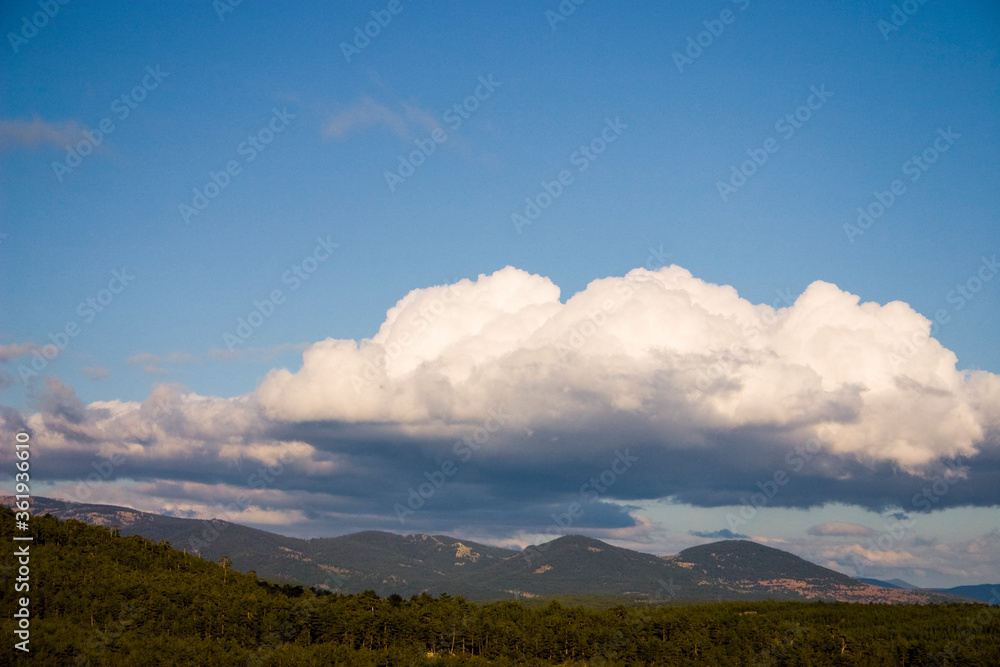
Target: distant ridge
[[571, 565], [989, 593]]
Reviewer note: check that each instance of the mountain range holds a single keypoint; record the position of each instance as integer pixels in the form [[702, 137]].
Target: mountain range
[[982, 592], [574, 565]]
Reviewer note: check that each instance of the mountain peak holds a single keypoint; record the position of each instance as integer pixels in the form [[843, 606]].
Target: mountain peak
[[577, 541]]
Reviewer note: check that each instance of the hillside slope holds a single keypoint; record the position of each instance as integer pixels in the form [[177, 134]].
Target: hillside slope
[[388, 563]]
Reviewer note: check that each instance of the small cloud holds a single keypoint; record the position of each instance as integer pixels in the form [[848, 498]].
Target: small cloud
[[724, 534], [366, 113], [363, 114], [421, 117], [840, 529], [37, 132], [96, 372], [143, 358], [18, 350], [150, 363]]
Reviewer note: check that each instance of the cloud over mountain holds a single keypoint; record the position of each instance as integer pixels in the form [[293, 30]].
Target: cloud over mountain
[[494, 392]]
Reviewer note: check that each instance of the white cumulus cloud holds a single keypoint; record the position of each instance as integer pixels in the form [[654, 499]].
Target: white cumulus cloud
[[671, 353]]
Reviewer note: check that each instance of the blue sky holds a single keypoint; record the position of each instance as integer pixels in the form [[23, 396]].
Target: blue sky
[[335, 124]]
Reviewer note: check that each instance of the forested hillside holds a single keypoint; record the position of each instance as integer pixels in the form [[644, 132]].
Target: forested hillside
[[99, 599]]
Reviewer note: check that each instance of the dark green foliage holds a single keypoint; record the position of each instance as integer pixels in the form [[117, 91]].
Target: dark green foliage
[[98, 599]]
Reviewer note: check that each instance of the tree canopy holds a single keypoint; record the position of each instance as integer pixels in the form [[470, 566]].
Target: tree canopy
[[102, 599]]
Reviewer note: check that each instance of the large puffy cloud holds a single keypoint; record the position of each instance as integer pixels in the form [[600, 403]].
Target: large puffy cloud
[[679, 359], [531, 400]]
